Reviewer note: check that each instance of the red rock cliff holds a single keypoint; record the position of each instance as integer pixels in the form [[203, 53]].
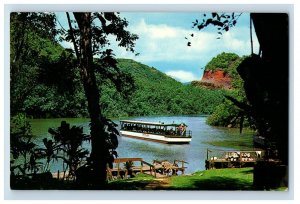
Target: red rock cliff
[[216, 79]]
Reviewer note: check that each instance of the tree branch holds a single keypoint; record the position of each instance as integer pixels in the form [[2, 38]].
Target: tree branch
[[73, 38]]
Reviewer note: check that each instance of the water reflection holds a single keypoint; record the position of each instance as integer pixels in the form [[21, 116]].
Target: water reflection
[[194, 153]]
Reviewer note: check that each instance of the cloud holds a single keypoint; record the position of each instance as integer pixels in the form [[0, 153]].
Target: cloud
[[181, 75], [161, 42], [165, 47]]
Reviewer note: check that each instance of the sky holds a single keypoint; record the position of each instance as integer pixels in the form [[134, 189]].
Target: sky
[[162, 42]]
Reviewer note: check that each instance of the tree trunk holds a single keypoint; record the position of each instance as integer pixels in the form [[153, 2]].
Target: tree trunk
[[272, 34], [99, 149]]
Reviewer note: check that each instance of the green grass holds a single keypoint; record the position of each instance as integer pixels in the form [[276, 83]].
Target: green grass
[[216, 179], [136, 183]]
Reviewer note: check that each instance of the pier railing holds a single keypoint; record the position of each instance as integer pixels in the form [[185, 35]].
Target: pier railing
[[216, 158], [165, 167], [124, 167]]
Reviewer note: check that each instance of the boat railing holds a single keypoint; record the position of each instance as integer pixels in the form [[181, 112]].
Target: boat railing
[[168, 133]]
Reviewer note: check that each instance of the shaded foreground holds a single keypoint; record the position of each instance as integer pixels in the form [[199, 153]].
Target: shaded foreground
[[216, 179]]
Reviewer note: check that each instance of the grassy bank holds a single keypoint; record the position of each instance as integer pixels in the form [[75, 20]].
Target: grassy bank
[[216, 179]]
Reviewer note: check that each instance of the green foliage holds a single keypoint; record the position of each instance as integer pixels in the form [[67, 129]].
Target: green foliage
[[42, 72], [227, 62], [47, 102], [156, 94], [45, 81], [23, 158], [223, 114], [227, 114], [30, 163], [67, 146]]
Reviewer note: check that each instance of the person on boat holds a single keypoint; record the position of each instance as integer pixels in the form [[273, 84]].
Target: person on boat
[[180, 128], [183, 133]]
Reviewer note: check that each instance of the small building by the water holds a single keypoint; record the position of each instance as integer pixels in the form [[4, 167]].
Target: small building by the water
[[232, 159]]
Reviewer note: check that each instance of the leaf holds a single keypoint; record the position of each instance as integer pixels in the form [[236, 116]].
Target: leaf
[[217, 23], [208, 21], [200, 26], [214, 15]]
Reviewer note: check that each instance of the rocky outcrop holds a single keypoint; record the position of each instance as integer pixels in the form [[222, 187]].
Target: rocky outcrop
[[215, 79]]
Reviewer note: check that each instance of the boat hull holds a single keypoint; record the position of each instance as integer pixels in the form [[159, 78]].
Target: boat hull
[[156, 138]]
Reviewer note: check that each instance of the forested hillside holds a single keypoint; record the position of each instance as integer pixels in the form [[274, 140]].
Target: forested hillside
[[155, 93], [158, 94], [226, 113], [45, 83]]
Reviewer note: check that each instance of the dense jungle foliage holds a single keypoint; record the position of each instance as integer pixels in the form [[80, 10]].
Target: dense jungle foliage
[[227, 62], [45, 83], [227, 113], [43, 86], [156, 93]]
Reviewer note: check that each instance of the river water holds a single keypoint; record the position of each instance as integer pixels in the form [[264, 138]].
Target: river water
[[193, 153]]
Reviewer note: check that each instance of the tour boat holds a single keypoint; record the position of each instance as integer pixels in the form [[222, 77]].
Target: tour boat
[[156, 131]]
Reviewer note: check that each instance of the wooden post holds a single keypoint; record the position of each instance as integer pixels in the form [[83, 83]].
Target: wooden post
[[141, 166], [57, 174], [207, 154], [118, 166], [126, 173], [240, 159]]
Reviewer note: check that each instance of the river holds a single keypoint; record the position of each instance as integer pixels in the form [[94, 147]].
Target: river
[[193, 153]]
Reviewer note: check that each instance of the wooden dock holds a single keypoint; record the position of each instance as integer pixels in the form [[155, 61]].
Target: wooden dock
[[128, 167], [232, 159]]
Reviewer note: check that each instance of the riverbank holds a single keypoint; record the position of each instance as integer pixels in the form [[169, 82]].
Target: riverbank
[[204, 137], [216, 179]]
